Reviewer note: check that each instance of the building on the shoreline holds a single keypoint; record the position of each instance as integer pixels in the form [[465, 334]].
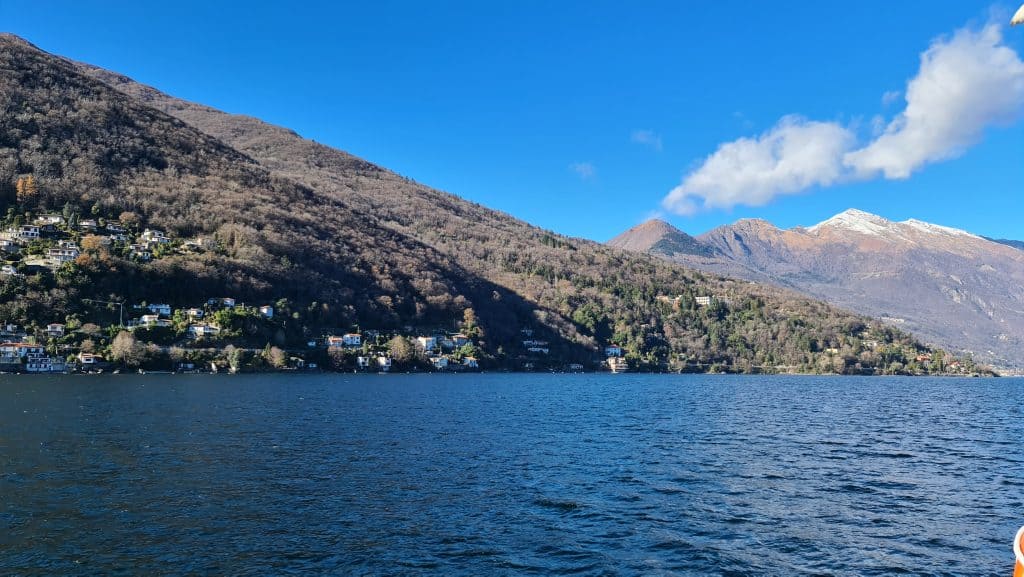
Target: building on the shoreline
[[617, 364], [613, 351], [89, 359]]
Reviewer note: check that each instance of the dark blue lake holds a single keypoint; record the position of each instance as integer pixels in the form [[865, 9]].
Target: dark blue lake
[[509, 474]]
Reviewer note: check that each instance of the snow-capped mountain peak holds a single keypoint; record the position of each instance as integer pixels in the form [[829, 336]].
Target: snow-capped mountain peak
[[856, 221]]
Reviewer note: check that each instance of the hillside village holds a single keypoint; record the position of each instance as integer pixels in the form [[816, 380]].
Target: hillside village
[[217, 334], [195, 338], [206, 336]]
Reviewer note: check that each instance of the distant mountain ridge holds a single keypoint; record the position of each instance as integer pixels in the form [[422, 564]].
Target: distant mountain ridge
[[660, 237], [1017, 244], [952, 287]]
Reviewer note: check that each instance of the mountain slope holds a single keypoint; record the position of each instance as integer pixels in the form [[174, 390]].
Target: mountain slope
[[946, 285], [354, 244], [658, 236], [93, 147]]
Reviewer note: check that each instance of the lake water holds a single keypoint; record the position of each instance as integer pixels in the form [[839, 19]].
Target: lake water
[[509, 474]]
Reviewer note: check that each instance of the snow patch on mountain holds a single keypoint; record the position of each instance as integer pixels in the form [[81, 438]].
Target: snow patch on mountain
[[937, 229], [856, 221]]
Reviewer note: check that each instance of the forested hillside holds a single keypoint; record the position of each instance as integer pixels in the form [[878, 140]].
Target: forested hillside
[[352, 244]]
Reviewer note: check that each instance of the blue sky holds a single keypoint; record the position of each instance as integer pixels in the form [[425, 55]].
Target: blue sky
[[582, 117]]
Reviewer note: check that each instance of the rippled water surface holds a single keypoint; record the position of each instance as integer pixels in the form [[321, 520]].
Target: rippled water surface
[[509, 474]]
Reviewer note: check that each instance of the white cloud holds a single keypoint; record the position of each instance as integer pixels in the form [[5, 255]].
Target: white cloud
[[795, 154], [891, 97], [965, 84], [648, 138], [585, 170]]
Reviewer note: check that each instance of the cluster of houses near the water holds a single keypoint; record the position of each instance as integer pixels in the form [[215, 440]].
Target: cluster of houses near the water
[[443, 350], [18, 353], [437, 346]]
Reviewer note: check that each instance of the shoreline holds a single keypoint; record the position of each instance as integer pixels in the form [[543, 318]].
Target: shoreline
[[460, 373]]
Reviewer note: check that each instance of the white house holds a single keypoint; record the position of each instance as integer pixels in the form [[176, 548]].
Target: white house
[[617, 364], [335, 342], [363, 362], [228, 302], [470, 363], [703, 301], [613, 351], [195, 313], [27, 232], [38, 363], [88, 224], [383, 364], [153, 321], [116, 228], [8, 270], [140, 251], [440, 363], [267, 311], [20, 349], [160, 309], [118, 237], [352, 339], [460, 340], [202, 330], [89, 358], [55, 330], [49, 219], [150, 236], [9, 245], [62, 255], [427, 343]]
